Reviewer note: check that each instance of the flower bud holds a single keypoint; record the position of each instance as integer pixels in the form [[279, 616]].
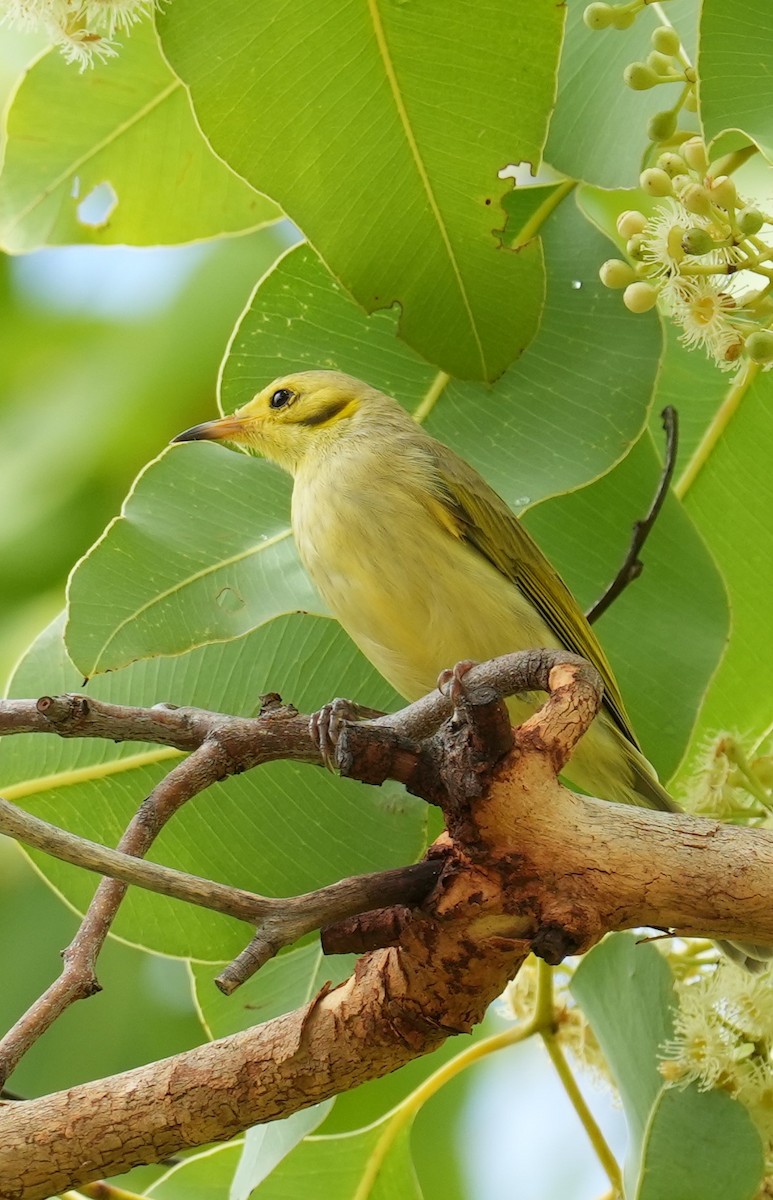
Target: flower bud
[[640, 297], [691, 101], [697, 241], [615, 273], [672, 164], [694, 154], [666, 40], [659, 63], [598, 16], [639, 76], [750, 221], [636, 245], [630, 223], [759, 346], [723, 193], [680, 182], [696, 200], [661, 126], [655, 182]]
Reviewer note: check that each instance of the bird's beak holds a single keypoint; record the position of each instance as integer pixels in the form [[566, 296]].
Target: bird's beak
[[230, 429]]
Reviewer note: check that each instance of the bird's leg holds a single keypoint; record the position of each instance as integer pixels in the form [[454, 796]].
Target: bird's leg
[[449, 682], [325, 725]]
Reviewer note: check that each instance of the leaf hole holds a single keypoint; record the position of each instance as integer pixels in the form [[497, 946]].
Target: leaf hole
[[97, 207]]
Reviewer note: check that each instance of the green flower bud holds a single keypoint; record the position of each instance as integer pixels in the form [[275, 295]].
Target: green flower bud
[[661, 126], [694, 154], [635, 245], [598, 16], [672, 164], [691, 101], [697, 241], [723, 193], [637, 75], [622, 19], [630, 223], [696, 200], [659, 63], [759, 346], [655, 182], [666, 40], [640, 297], [750, 221], [615, 273]]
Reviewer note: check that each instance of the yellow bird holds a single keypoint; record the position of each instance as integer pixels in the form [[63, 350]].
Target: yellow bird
[[420, 560]]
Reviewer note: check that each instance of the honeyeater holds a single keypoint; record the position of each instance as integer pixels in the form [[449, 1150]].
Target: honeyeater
[[420, 560]]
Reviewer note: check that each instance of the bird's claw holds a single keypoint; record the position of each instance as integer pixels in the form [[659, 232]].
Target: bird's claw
[[325, 725], [450, 682]]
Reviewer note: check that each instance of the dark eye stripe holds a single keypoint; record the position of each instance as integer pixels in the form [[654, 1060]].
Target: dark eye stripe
[[326, 414]]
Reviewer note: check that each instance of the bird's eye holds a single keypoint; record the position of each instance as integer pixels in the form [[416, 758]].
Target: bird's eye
[[281, 397]]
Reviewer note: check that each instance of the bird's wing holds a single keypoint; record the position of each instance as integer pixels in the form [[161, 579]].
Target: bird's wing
[[478, 515]]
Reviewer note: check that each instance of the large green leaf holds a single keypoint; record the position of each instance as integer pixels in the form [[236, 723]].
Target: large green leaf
[[380, 128], [370, 1164], [730, 500], [736, 69], [126, 123], [281, 829], [677, 607], [203, 552], [204, 1176], [686, 1143], [599, 129]]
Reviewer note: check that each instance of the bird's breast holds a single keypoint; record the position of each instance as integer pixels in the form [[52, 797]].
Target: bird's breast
[[414, 597]]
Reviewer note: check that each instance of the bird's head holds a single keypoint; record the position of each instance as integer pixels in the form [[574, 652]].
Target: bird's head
[[291, 418]]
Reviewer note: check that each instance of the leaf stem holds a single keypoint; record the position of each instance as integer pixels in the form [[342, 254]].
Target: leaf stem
[[595, 1136], [722, 418], [431, 397]]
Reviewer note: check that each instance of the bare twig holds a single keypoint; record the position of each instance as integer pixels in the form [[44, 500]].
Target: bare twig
[[282, 920], [632, 565]]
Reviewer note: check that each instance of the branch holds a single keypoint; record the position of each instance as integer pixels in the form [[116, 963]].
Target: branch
[[632, 565], [525, 864]]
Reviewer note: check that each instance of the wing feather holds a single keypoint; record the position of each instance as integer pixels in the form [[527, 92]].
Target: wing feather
[[483, 519]]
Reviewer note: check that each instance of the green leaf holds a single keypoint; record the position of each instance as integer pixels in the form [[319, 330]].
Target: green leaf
[[124, 127], [730, 499], [279, 830], [288, 981], [381, 128], [265, 1146], [370, 1164], [686, 1143], [203, 552], [736, 69], [677, 607], [598, 132], [204, 1176]]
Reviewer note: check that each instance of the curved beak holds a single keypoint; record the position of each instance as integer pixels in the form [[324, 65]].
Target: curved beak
[[231, 429]]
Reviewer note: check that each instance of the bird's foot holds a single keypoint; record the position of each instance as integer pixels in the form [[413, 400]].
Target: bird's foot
[[326, 724], [450, 681]]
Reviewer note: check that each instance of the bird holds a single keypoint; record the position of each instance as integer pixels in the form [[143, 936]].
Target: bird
[[423, 563]]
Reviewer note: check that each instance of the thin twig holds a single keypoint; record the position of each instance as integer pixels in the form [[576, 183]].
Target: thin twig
[[632, 565]]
